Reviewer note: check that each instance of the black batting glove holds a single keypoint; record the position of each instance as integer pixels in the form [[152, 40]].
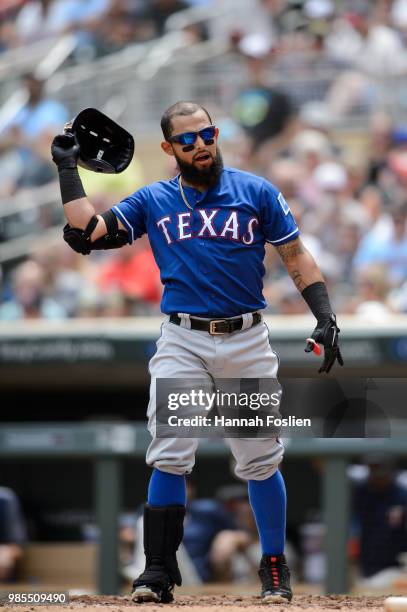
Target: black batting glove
[[65, 151], [326, 333]]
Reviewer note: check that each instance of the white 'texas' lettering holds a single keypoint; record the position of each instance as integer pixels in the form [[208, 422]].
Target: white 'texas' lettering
[[235, 226], [161, 224], [207, 222], [232, 226], [253, 221], [184, 225]]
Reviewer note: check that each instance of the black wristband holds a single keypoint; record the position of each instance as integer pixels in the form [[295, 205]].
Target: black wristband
[[71, 185], [317, 299]]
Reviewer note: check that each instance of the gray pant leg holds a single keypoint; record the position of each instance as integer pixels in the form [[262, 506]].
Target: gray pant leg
[[175, 358], [256, 458], [248, 354]]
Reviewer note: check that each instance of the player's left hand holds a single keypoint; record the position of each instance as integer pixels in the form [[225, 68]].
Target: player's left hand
[[326, 333]]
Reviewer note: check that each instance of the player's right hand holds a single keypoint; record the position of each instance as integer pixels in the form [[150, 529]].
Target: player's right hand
[[326, 333], [65, 151]]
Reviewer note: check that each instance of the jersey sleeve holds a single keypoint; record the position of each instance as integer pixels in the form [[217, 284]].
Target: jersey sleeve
[[132, 212], [278, 224]]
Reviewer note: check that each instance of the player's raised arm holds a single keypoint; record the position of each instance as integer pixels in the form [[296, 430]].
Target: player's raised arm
[[85, 230], [308, 279]]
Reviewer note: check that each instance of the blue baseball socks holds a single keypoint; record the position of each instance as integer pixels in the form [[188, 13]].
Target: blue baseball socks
[[269, 501], [166, 489]]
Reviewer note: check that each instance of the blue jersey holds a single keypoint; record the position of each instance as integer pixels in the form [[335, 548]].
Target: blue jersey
[[211, 257]]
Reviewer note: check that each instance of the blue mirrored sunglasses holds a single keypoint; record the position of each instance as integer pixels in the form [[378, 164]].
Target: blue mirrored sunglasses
[[189, 138]]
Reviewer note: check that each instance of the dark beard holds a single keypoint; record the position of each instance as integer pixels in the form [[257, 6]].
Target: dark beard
[[205, 177]]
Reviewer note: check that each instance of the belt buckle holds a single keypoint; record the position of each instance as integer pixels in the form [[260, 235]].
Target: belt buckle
[[212, 329]]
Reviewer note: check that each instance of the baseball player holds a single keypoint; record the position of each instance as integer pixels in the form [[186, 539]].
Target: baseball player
[[207, 227]]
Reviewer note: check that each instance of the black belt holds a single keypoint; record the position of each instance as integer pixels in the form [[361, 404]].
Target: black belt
[[217, 327]]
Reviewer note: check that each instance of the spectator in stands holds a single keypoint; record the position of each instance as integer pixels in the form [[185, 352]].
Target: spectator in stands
[[309, 148], [10, 7], [349, 234], [8, 12], [30, 299], [281, 298], [371, 290], [29, 134], [398, 298], [394, 253], [68, 275], [264, 112], [128, 21], [389, 249], [380, 144], [365, 41], [378, 229], [372, 50], [13, 534], [40, 19], [247, 17], [159, 11], [8, 37], [380, 505], [133, 273], [305, 68], [123, 24], [39, 113]]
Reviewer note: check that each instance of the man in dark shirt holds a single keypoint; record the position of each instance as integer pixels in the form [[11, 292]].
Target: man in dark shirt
[[205, 519], [380, 509]]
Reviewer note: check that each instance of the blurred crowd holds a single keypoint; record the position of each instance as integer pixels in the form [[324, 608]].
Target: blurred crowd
[[340, 160], [100, 26]]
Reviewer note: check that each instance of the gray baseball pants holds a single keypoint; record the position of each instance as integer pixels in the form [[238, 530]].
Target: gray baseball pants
[[189, 354]]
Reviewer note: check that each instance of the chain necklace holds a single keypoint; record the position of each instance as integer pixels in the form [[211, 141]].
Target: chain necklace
[[184, 197]]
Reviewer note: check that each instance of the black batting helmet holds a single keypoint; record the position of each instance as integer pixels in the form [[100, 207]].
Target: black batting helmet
[[104, 146]]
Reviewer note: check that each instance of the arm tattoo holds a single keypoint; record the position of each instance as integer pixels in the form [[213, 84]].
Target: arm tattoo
[[288, 253], [290, 249], [298, 280]]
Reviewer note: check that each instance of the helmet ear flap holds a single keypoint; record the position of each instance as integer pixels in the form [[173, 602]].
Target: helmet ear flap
[[104, 146]]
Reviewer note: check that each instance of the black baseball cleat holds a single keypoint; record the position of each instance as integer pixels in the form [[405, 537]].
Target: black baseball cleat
[[275, 579], [153, 584]]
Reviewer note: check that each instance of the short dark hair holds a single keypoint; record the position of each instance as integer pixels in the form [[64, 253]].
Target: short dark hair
[[179, 108]]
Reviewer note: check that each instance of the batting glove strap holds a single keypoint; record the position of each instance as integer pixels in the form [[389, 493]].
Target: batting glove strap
[[327, 334]]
